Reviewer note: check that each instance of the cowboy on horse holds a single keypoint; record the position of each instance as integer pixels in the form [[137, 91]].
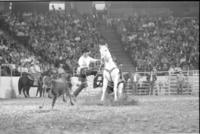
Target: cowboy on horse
[[35, 72], [30, 77]]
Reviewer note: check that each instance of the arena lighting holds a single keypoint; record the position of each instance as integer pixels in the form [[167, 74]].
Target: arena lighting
[[57, 5], [99, 6], [10, 6]]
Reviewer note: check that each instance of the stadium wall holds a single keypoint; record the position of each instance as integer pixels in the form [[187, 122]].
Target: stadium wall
[[123, 9], [30, 7], [83, 7]]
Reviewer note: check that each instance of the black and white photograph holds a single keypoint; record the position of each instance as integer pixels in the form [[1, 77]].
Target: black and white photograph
[[99, 67]]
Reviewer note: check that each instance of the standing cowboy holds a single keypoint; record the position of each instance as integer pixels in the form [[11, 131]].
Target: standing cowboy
[[83, 70], [135, 78], [180, 82], [151, 78]]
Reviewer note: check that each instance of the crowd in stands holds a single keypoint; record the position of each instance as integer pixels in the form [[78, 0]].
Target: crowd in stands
[[160, 41], [59, 36], [12, 54]]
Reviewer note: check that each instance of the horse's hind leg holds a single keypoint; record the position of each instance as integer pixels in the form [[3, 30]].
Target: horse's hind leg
[[27, 91], [20, 90], [24, 92]]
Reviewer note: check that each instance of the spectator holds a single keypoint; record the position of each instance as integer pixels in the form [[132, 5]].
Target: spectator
[[180, 82]]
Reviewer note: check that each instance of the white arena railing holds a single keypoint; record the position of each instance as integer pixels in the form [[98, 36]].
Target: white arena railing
[[167, 84], [164, 85], [8, 83]]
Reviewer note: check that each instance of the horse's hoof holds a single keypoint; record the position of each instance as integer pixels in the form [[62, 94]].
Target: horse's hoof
[[100, 103]]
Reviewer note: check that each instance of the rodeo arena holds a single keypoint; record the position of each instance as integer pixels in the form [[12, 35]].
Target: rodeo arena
[[99, 67]]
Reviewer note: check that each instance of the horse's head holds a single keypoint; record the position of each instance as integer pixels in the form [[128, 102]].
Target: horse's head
[[104, 51]]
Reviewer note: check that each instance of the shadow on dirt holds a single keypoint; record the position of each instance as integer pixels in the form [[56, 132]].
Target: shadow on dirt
[[46, 110], [109, 101], [43, 111]]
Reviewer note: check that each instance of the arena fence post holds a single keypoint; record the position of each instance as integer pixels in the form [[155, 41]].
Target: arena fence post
[[0, 75], [169, 85]]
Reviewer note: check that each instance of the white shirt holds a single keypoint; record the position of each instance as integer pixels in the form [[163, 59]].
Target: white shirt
[[85, 61]]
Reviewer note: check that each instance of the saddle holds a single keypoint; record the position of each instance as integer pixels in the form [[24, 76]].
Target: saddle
[[35, 78], [30, 77]]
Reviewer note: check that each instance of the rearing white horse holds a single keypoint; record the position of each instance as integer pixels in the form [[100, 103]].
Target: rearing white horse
[[111, 73]]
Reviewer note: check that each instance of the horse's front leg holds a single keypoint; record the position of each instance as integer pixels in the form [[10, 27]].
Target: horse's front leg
[[105, 84], [121, 87], [20, 88], [115, 89]]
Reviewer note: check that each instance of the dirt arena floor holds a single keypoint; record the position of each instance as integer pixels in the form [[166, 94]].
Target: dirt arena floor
[[144, 114]]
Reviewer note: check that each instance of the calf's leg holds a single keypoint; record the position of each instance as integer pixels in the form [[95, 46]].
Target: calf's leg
[[64, 98], [55, 96], [54, 101]]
